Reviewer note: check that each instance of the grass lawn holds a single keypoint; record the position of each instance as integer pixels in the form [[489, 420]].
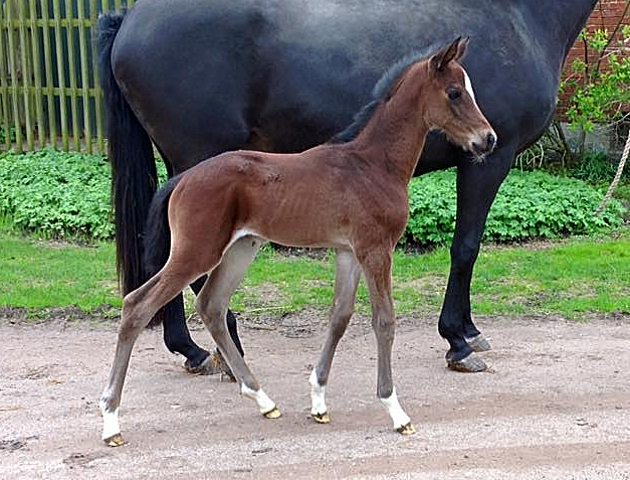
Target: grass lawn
[[569, 277]]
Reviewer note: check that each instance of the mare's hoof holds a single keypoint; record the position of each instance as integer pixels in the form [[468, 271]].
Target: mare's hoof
[[408, 429], [273, 413], [114, 441], [212, 365], [470, 363], [478, 343], [321, 417]]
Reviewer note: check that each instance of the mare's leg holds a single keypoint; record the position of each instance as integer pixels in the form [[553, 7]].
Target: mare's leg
[[138, 308], [212, 304], [477, 185], [377, 269], [347, 278], [178, 340]]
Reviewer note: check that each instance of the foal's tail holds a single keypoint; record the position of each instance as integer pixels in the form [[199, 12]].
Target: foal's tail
[[134, 176], [157, 237]]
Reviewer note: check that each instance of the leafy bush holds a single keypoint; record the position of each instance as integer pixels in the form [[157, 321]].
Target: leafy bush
[[597, 87], [528, 205], [57, 194], [595, 167], [600, 81]]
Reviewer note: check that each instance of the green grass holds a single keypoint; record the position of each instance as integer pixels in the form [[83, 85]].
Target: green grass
[[570, 278], [37, 275]]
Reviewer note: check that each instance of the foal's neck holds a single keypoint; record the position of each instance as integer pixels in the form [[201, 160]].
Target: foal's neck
[[395, 134]]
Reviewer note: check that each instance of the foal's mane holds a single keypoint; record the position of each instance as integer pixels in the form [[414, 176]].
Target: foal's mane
[[380, 93]]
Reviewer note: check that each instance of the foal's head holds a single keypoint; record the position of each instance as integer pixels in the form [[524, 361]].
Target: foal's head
[[450, 102]]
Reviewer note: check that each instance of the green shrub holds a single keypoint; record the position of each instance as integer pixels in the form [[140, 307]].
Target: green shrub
[[528, 205], [57, 194], [595, 167]]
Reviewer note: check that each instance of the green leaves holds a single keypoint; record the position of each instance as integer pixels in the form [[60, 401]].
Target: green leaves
[[67, 195], [600, 82], [57, 194], [528, 205]]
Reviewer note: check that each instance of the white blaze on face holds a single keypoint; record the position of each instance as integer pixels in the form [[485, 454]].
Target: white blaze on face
[[469, 88]]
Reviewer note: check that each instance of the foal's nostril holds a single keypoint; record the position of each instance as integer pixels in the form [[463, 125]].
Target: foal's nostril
[[491, 140]]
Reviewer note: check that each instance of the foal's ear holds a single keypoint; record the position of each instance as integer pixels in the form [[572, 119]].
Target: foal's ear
[[454, 51], [462, 47]]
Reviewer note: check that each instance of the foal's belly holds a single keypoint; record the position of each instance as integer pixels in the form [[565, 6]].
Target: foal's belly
[[298, 236]]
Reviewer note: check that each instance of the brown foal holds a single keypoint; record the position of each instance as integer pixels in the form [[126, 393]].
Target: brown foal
[[349, 194]]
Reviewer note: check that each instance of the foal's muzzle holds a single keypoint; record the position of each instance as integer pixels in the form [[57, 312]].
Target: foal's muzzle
[[485, 145]]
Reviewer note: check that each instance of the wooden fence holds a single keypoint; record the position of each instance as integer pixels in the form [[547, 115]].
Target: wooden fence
[[49, 88]]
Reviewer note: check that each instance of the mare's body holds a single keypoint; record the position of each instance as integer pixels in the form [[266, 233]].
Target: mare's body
[[207, 76]]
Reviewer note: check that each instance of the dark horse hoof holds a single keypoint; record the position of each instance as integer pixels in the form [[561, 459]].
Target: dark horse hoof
[[212, 365], [470, 363], [478, 343]]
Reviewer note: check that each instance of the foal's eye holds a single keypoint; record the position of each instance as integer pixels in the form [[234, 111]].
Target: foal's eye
[[453, 93]]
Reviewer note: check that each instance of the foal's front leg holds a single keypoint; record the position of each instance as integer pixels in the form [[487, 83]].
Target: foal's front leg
[[377, 269], [347, 278]]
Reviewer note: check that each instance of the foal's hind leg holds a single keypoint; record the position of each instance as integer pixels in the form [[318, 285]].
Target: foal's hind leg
[[346, 281], [377, 269], [138, 309], [212, 304]]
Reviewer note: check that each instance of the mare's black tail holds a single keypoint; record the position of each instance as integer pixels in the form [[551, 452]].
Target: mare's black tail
[[134, 175]]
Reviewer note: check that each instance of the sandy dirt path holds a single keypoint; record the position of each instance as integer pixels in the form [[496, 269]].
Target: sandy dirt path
[[556, 406]]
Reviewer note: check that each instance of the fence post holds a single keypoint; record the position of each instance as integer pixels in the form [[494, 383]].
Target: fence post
[[48, 67], [26, 75], [4, 83], [85, 77], [72, 74], [98, 97], [37, 74], [14, 80]]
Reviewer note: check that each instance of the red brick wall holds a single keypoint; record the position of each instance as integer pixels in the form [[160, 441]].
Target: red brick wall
[[606, 15]]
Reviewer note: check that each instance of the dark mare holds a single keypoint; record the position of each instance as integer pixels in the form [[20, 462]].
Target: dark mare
[[200, 77], [349, 194]]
